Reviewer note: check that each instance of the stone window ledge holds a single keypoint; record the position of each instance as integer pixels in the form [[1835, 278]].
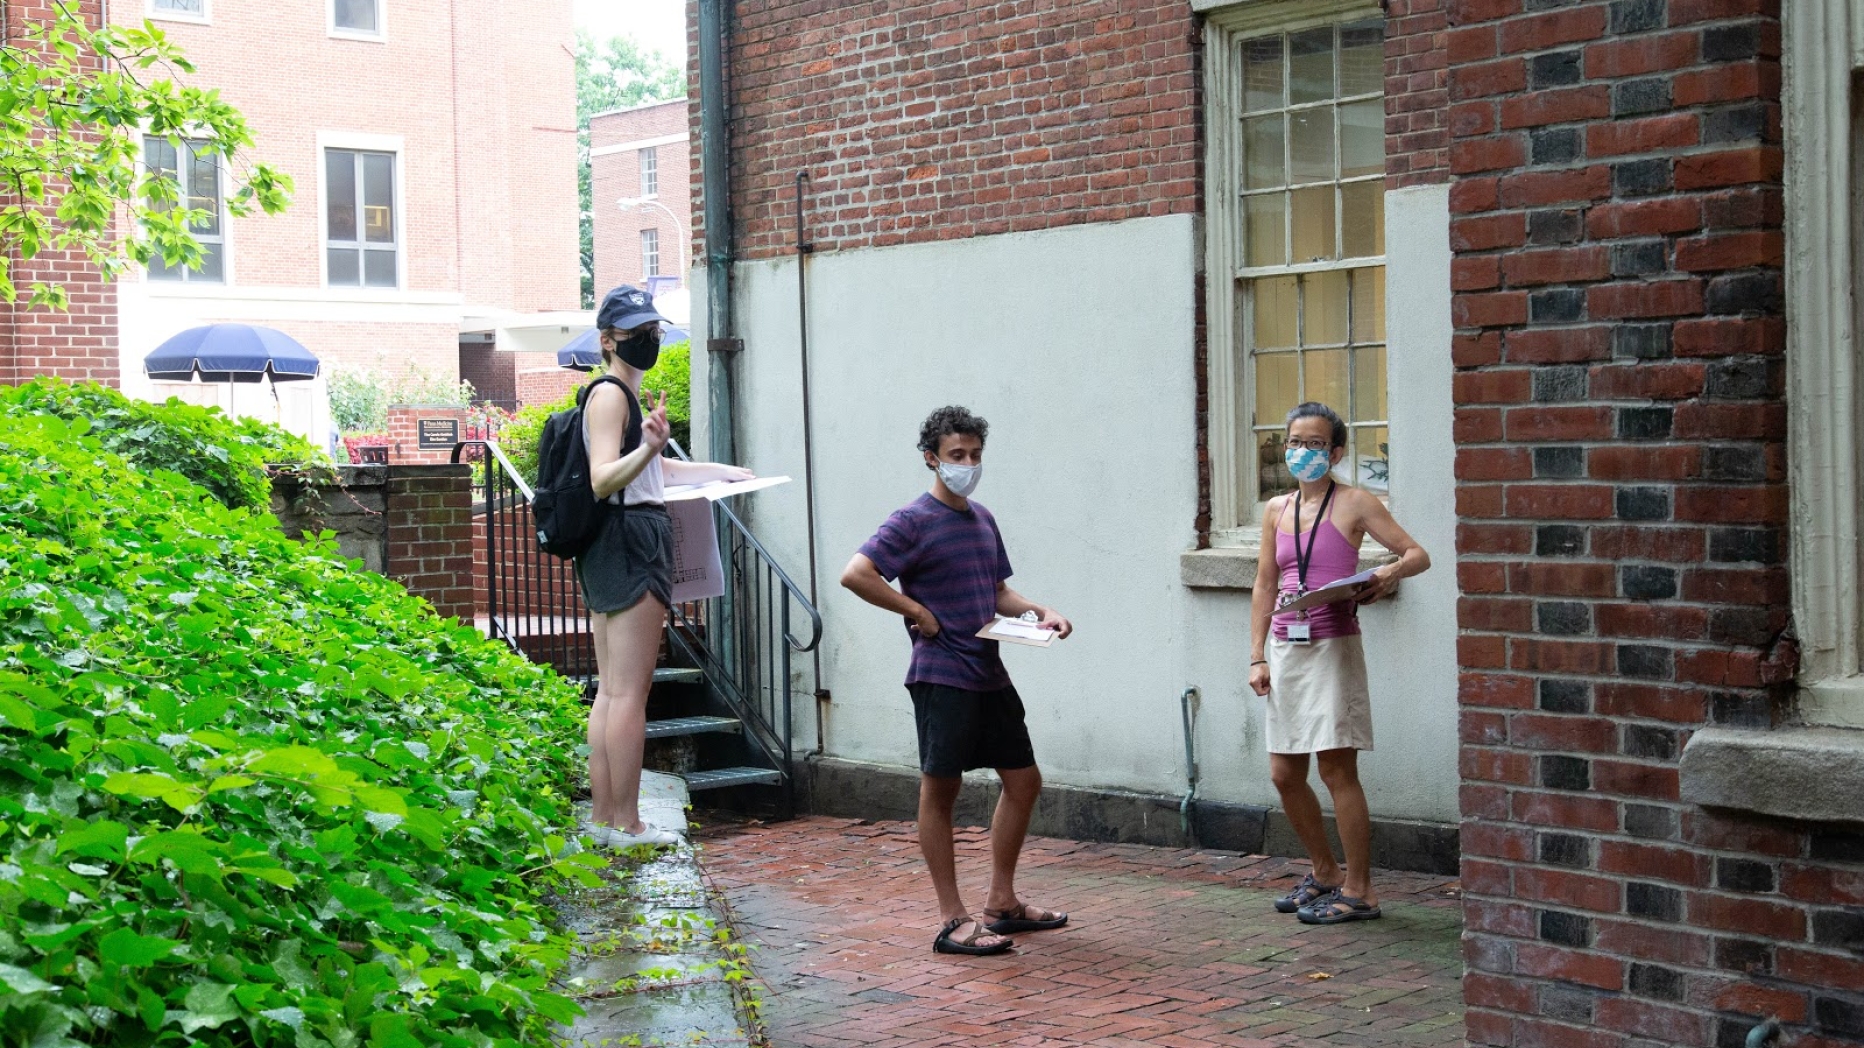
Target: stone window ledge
[[1805, 774], [1234, 567]]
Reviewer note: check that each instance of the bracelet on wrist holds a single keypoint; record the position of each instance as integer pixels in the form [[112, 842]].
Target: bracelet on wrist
[[1259, 662]]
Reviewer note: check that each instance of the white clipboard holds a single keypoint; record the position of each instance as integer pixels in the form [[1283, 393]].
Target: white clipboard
[[714, 490], [1331, 593]]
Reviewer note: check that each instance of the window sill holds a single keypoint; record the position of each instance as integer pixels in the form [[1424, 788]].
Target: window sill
[[1234, 567], [1803, 774]]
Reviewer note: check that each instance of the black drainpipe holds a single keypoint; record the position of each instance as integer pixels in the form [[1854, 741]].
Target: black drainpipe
[[803, 249], [722, 346]]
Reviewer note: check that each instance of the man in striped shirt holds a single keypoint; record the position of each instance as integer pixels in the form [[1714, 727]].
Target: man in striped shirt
[[953, 573]]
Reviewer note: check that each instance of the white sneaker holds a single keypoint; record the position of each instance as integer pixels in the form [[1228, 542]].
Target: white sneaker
[[650, 834]]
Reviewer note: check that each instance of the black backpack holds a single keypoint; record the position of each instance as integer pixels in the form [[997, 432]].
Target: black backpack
[[568, 515]]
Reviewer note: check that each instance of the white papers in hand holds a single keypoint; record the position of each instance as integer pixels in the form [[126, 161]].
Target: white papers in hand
[[1016, 631], [714, 490], [1332, 592]]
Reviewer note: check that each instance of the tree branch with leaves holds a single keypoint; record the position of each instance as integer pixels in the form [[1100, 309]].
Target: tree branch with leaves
[[75, 105]]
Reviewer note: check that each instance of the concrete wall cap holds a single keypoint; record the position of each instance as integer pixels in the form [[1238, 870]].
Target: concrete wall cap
[[1805, 774]]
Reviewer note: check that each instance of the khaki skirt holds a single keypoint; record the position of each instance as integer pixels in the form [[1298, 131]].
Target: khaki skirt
[[1318, 698]]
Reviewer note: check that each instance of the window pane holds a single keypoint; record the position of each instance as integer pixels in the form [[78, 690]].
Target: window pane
[[1262, 73], [378, 197], [345, 266], [1371, 453], [213, 264], [1273, 305], [1368, 383], [1323, 309], [1313, 223], [1325, 371], [340, 195], [1362, 138], [1310, 146], [650, 172], [1278, 385], [356, 14], [191, 7], [160, 270], [204, 191], [1310, 66], [378, 268], [1362, 219], [158, 155], [1362, 58], [1272, 476], [1265, 225], [1369, 305], [1263, 153]]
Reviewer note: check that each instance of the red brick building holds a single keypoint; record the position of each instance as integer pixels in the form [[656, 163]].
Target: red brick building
[[433, 151], [641, 166], [1538, 254]]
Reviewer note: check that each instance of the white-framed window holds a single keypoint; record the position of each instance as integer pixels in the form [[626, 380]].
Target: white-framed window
[[362, 245], [357, 18], [1825, 376], [650, 253], [1297, 243], [650, 172], [196, 175], [180, 10]]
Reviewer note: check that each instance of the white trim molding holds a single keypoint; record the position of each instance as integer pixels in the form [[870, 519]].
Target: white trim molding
[[640, 143], [1823, 49], [340, 33], [365, 142]]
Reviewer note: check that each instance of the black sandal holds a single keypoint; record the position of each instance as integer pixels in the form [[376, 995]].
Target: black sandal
[[1328, 911], [1003, 922], [1307, 893], [968, 945]]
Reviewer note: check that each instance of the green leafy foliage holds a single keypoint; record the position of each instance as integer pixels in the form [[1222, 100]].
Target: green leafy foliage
[[73, 112], [617, 74], [250, 794], [672, 374], [228, 457], [360, 398]]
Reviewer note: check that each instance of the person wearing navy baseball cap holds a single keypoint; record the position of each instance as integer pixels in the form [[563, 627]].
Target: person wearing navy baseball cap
[[627, 574]]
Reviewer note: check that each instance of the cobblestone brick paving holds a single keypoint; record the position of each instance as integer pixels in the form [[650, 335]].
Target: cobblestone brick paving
[[1171, 947]]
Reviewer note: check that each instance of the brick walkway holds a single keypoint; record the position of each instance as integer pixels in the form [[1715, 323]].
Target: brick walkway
[[1167, 947]]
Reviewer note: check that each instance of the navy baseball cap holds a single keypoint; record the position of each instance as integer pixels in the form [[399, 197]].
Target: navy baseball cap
[[626, 307]]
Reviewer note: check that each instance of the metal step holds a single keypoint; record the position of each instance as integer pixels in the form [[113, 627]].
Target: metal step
[[662, 675], [721, 777], [663, 729]]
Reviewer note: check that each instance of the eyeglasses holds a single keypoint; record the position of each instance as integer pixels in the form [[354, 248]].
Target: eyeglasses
[[1310, 444]]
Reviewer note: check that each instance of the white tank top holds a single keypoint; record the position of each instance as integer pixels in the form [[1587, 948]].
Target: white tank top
[[648, 488]]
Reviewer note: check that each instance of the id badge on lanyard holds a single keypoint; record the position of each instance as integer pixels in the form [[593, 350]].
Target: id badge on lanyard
[[1301, 631]]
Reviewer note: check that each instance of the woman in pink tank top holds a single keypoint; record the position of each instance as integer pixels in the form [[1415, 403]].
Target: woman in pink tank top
[[1308, 663]]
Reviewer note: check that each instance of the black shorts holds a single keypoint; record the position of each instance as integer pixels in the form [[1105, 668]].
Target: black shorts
[[632, 558], [960, 730]]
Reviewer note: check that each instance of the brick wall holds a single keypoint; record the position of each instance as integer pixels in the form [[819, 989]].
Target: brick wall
[[618, 175], [1616, 227], [931, 120], [80, 343], [546, 385], [430, 535], [1417, 131]]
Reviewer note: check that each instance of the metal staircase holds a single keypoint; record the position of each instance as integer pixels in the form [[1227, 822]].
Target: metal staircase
[[725, 676]]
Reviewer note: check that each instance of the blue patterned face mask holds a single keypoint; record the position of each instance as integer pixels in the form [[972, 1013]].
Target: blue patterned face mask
[[1307, 464]]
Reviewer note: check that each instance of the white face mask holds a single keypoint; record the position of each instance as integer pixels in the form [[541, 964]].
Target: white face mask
[[1307, 464], [960, 480]]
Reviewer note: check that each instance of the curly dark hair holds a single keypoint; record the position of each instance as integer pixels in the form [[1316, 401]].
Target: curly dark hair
[[948, 420]]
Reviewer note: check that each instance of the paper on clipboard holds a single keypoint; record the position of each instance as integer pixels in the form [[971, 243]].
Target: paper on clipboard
[[697, 570], [714, 490], [1328, 594], [1017, 631]]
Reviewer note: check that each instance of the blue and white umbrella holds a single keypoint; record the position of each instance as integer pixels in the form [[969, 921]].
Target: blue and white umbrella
[[231, 353], [583, 353]]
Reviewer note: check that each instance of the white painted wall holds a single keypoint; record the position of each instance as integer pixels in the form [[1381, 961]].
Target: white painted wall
[[1076, 344]]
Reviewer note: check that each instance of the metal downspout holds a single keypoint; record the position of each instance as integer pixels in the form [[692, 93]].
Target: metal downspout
[[803, 249], [722, 346]]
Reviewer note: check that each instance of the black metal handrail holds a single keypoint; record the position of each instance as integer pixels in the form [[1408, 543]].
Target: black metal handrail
[[742, 640], [749, 661]]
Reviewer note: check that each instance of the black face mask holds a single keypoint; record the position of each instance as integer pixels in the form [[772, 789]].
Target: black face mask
[[641, 349]]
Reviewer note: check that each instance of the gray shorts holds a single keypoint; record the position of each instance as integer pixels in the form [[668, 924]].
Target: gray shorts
[[631, 558]]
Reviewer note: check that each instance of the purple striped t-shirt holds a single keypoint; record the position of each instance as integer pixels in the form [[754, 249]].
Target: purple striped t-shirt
[[951, 561]]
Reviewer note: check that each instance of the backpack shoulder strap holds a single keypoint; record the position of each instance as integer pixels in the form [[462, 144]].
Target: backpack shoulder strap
[[631, 437]]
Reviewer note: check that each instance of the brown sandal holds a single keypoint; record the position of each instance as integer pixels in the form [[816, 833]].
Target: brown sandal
[[1017, 919], [968, 945]]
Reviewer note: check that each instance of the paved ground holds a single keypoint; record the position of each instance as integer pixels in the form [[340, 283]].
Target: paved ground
[[1166, 947]]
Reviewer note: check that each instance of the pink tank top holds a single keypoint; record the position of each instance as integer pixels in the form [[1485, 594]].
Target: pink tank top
[[1332, 559]]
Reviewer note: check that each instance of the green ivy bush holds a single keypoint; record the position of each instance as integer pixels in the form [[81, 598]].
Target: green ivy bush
[[226, 456], [250, 794], [672, 374]]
